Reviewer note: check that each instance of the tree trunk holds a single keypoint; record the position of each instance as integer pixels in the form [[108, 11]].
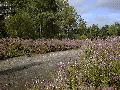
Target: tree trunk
[[40, 32]]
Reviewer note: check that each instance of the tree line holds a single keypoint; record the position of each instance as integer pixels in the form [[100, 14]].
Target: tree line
[[47, 19]]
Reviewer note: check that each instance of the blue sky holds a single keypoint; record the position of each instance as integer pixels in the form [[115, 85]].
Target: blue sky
[[99, 12]]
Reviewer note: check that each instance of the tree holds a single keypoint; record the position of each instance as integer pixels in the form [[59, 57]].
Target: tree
[[81, 26], [118, 27], [103, 34], [18, 21], [36, 13], [66, 18], [50, 26], [20, 25], [113, 30], [43, 11], [93, 31], [4, 10], [45, 18]]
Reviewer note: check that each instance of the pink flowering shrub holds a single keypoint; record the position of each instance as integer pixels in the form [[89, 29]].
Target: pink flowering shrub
[[97, 69], [12, 47]]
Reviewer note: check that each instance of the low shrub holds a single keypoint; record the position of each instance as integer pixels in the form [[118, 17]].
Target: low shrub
[[12, 47], [98, 68], [80, 37]]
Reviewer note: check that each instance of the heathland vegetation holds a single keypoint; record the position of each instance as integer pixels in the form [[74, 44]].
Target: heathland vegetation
[[97, 69], [30, 27]]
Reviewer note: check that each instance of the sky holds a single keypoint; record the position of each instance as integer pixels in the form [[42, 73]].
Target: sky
[[101, 12]]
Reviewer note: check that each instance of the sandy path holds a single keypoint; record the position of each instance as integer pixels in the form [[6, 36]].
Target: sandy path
[[15, 71]]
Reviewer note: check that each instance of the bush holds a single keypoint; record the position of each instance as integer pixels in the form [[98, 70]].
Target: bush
[[97, 69], [80, 37], [12, 47]]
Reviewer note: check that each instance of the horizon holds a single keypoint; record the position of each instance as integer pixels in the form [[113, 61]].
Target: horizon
[[101, 12]]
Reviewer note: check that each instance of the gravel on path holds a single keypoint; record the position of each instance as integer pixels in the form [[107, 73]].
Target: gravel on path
[[14, 72]]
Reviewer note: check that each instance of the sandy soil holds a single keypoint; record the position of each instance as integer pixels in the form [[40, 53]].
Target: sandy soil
[[14, 72]]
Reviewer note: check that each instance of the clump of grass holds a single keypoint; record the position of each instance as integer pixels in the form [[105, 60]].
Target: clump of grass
[[98, 68]]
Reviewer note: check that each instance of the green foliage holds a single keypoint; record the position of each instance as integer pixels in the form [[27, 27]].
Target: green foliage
[[81, 26], [20, 25], [40, 17], [104, 32], [113, 30], [80, 37], [93, 31], [4, 9], [50, 26], [47, 19], [118, 28], [44, 17], [2, 30], [66, 17]]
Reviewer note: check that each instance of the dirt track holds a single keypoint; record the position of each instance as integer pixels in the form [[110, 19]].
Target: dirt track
[[14, 72]]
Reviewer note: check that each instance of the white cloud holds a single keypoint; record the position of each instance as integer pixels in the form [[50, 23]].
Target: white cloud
[[84, 8], [76, 3], [101, 21], [114, 15], [101, 18], [111, 4], [99, 12], [102, 2], [80, 5], [87, 15]]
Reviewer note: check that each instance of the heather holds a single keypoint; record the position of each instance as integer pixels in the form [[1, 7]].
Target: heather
[[13, 47], [34, 21], [97, 69]]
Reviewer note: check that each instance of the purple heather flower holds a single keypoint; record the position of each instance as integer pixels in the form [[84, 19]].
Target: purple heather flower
[[26, 85], [103, 88], [110, 88], [99, 66]]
